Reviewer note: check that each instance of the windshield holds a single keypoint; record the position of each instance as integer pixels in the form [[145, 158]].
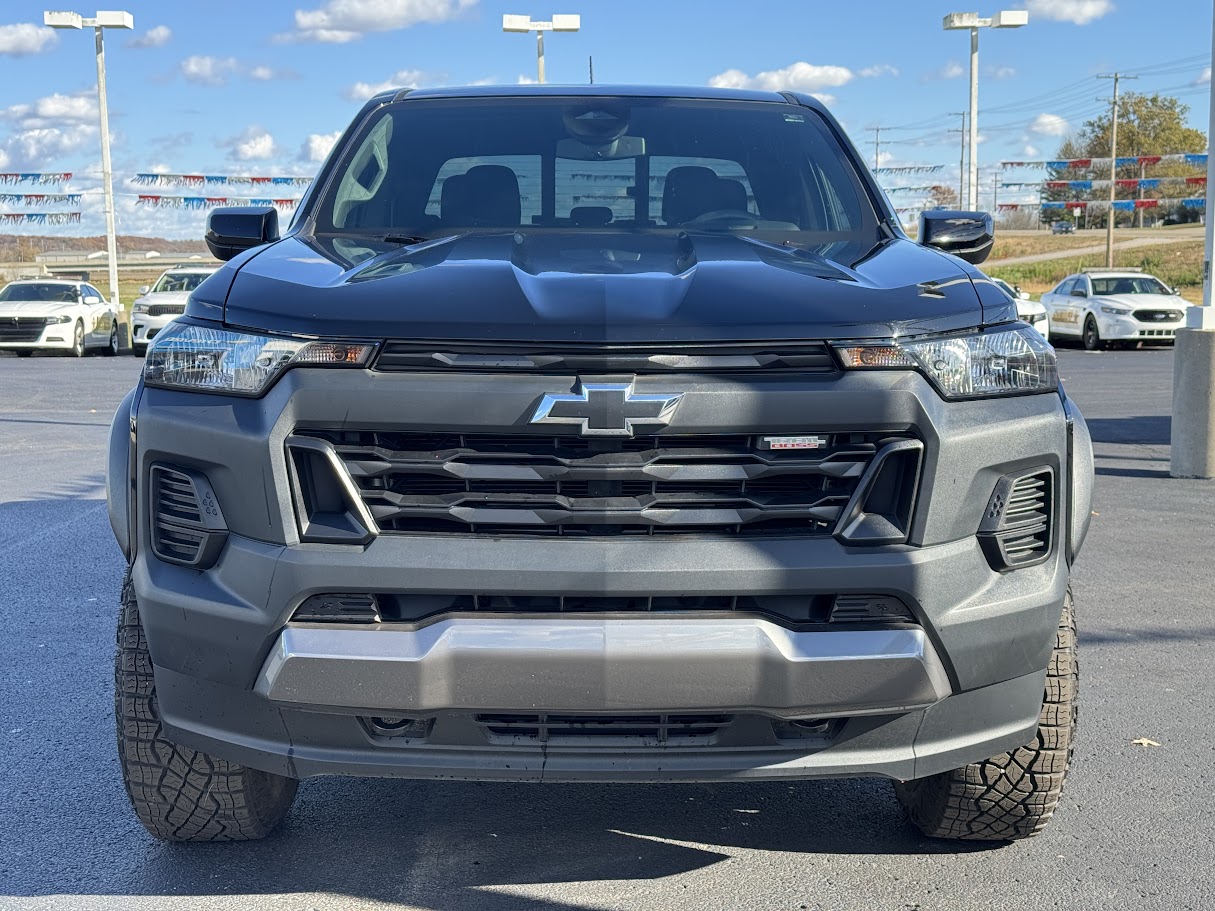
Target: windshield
[[180, 281], [40, 291], [427, 167], [1138, 284]]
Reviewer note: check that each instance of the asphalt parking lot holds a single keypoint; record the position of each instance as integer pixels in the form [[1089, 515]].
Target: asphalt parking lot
[[1136, 828]]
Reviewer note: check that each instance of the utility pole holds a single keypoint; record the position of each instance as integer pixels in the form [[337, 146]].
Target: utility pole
[[877, 146], [1109, 217], [961, 157], [100, 22], [590, 66], [995, 194], [565, 23]]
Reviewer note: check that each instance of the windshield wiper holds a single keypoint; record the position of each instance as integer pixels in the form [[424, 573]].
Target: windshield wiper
[[407, 239]]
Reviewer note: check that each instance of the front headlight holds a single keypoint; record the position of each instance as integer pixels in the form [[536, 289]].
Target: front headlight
[[139, 307], [978, 365], [1114, 311], [199, 359], [63, 318]]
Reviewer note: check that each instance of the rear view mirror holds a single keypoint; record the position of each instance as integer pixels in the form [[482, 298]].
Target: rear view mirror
[[234, 230], [968, 235], [619, 148]]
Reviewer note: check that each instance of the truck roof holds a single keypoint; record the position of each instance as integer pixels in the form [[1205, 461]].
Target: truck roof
[[629, 91]]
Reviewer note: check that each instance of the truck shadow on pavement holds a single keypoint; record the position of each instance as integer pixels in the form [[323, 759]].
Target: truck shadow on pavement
[[1145, 430], [478, 845]]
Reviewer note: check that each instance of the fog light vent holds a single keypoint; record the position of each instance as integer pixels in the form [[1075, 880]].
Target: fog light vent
[[1016, 530], [187, 526]]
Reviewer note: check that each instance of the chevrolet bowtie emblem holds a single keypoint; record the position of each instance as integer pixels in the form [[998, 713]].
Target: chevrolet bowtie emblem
[[606, 409]]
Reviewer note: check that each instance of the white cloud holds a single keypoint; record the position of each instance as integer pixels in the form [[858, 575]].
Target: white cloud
[[318, 145], [951, 70], [343, 21], [526, 80], [254, 144], [401, 79], [1000, 72], [205, 70], [881, 69], [1050, 125], [1204, 78], [797, 77], [25, 38], [1081, 12], [156, 36], [53, 111], [39, 147], [1030, 151], [264, 73]]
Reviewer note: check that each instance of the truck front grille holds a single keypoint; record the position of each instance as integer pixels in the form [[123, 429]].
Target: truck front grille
[[532, 484]]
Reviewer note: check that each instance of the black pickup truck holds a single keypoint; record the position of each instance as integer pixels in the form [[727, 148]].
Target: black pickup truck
[[597, 434]]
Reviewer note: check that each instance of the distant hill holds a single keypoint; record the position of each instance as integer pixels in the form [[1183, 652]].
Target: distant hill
[[23, 248]]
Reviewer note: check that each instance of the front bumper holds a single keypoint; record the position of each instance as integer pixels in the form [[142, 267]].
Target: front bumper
[[56, 336], [1129, 329], [238, 678], [145, 328]]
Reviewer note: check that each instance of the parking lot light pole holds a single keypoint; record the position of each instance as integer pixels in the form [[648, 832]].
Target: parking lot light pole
[[99, 23], [974, 22], [527, 24], [1192, 453]]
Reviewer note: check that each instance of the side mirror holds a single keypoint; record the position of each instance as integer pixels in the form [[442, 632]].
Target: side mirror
[[144, 289], [92, 299], [234, 230], [1079, 292], [968, 235], [1022, 295]]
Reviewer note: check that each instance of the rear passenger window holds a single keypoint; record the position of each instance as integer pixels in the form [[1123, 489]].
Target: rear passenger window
[[662, 166], [525, 167]]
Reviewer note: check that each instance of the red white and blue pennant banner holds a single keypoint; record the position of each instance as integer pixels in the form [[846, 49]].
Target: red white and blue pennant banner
[[1120, 205], [39, 218], [209, 202], [40, 199], [201, 180], [910, 169], [38, 177], [934, 188], [1083, 163]]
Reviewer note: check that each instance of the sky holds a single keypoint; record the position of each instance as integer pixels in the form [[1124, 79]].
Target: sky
[[262, 87]]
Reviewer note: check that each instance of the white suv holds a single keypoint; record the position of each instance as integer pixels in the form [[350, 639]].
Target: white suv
[[1100, 307], [158, 305]]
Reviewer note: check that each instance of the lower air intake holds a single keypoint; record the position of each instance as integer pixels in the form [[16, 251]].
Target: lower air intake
[[642, 729], [1017, 527], [187, 526]]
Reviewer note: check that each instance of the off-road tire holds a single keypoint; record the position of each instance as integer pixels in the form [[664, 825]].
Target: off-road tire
[[1013, 795], [180, 794], [1092, 336]]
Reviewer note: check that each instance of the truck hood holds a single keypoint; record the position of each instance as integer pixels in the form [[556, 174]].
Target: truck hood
[[35, 308], [605, 287]]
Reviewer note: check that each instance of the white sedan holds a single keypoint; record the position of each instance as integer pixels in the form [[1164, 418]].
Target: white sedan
[[1030, 312], [53, 314], [1099, 307], [160, 304]]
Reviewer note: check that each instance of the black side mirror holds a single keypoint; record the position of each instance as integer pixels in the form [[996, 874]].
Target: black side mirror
[[234, 230], [969, 235], [1079, 292]]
